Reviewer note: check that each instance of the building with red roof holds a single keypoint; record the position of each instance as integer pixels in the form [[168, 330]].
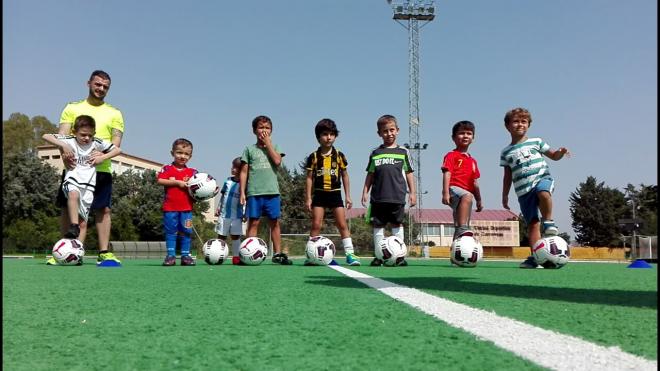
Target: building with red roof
[[493, 227]]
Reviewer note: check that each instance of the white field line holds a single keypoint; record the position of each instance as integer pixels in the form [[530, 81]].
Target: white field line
[[543, 347]]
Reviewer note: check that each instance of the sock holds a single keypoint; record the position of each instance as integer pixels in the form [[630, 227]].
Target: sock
[[170, 244], [102, 251], [379, 234], [398, 231], [185, 244], [347, 243], [235, 246]]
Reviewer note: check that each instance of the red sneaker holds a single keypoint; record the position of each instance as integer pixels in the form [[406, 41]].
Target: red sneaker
[[235, 260]]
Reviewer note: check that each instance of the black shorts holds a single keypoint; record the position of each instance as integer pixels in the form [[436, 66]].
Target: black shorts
[[383, 213], [102, 192], [330, 199]]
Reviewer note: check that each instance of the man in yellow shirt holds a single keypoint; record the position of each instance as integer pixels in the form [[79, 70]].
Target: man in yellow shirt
[[109, 127]]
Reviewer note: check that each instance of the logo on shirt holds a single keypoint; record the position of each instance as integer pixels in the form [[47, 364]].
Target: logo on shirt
[[386, 161]]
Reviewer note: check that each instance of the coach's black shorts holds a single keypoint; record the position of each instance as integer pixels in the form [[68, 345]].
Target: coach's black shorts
[[385, 212], [102, 192], [327, 199]]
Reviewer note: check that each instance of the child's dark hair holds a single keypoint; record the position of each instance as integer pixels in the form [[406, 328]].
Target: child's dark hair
[[462, 125], [84, 121], [386, 119], [236, 162], [102, 74], [182, 142], [259, 119], [325, 125], [519, 111]]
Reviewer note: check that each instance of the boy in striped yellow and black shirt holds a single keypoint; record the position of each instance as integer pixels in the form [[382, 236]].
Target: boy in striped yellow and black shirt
[[326, 169]]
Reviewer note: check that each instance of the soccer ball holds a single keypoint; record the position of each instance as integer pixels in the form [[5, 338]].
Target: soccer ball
[[253, 251], [202, 187], [551, 252], [392, 251], [320, 250], [68, 252], [466, 251], [215, 251]]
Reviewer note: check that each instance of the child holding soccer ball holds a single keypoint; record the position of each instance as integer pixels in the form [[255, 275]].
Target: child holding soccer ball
[[459, 179], [230, 211], [525, 168], [326, 169], [177, 204]]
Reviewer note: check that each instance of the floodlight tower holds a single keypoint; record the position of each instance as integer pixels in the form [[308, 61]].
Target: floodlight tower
[[414, 12]]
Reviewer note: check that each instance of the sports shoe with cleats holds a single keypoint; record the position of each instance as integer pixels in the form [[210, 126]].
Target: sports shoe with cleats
[[308, 263], [282, 259], [187, 260], [353, 260], [169, 261], [51, 261], [107, 256], [235, 260], [549, 228], [529, 263], [73, 232], [376, 262]]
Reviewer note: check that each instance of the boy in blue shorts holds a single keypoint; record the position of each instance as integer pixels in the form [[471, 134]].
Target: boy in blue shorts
[[389, 178], [230, 211], [525, 168], [261, 193]]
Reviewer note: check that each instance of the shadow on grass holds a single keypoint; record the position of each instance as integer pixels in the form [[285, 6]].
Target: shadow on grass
[[639, 299]]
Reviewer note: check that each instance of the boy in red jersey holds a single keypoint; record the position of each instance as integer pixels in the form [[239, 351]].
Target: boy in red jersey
[[459, 179], [177, 204]]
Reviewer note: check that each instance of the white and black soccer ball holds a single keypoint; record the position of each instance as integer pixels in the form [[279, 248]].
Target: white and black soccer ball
[[466, 251], [202, 187], [68, 252], [392, 251], [215, 251], [320, 250], [551, 252], [253, 251]]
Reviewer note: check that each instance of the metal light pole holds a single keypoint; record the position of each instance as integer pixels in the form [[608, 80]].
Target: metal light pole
[[414, 12]]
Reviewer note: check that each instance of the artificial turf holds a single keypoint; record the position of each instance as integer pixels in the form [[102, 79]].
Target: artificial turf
[[143, 316]]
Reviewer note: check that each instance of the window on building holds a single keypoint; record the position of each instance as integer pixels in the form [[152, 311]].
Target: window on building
[[55, 156], [432, 229], [448, 230]]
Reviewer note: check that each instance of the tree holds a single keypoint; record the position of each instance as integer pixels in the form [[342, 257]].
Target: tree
[[595, 210], [20, 134], [645, 200], [30, 217]]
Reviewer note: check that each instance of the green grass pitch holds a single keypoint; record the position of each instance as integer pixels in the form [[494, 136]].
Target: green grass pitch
[[143, 316]]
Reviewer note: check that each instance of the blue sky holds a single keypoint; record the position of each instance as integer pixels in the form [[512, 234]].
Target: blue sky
[[587, 71]]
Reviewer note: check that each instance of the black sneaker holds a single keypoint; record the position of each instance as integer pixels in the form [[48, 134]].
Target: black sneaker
[[529, 263], [281, 258], [376, 262], [187, 260], [74, 231], [402, 263], [169, 261]]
